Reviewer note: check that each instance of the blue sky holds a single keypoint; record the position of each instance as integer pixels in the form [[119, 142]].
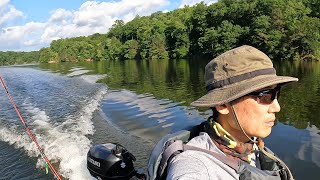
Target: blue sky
[[28, 25], [39, 10]]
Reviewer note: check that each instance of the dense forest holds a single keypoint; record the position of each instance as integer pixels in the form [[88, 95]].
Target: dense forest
[[284, 29], [11, 57]]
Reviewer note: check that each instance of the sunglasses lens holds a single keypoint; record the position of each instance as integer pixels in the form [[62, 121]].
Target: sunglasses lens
[[267, 96]]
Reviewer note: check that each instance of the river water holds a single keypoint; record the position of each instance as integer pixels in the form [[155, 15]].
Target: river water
[[70, 107]]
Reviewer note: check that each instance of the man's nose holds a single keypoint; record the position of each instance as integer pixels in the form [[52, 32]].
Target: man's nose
[[274, 106]]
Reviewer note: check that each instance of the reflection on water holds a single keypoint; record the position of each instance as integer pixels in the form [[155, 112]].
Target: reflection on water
[[182, 81], [311, 148], [177, 80], [151, 98], [300, 100], [147, 117], [300, 149]]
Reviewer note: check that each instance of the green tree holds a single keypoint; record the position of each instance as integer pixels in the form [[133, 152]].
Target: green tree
[[225, 37], [129, 49], [114, 49], [197, 25], [47, 55], [284, 29], [177, 39]]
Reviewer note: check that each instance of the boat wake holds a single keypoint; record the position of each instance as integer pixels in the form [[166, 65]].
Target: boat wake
[[64, 142]]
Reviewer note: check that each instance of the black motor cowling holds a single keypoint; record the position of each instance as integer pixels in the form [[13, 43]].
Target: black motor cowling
[[110, 161]]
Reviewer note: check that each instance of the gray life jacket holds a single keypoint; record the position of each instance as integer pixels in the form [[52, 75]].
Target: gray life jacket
[[173, 144]]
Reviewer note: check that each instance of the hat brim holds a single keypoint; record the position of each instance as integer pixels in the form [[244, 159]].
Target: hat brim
[[234, 91]]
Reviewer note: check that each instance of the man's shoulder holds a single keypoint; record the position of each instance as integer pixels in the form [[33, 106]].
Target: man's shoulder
[[200, 165], [204, 141]]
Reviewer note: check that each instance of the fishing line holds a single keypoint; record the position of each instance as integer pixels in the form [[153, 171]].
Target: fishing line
[[29, 131]]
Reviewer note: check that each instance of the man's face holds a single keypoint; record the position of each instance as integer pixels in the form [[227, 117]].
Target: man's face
[[256, 117]]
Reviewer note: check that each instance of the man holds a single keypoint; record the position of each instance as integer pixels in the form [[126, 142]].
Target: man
[[243, 91]]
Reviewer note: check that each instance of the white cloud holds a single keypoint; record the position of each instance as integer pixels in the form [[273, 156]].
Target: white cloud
[[8, 13], [3, 3], [20, 37], [60, 15], [92, 17], [193, 2]]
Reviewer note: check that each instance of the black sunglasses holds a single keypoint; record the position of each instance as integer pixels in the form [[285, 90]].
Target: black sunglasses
[[266, 96]]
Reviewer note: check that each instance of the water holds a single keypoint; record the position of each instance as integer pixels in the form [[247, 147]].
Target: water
[[58, 110], [70, 107]]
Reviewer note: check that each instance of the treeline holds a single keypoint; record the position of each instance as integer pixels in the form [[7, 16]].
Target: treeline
[[11, 57], [284, 29]]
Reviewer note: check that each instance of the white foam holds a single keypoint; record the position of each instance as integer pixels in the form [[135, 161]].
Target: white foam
[[76, 69], [168, 125], [66, 143], [77, 72], [92, 78], [19, 140]]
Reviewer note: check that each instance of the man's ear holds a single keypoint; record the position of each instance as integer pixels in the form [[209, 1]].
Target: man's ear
[[222, 109]]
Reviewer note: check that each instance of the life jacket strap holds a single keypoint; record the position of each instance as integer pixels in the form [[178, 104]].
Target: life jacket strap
[[177, 146], [233, 163]]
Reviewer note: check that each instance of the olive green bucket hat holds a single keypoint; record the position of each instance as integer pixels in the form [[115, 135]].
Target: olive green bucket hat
[[236, 73]]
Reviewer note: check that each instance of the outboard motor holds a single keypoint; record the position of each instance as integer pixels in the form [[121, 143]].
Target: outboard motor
[[110, 161]]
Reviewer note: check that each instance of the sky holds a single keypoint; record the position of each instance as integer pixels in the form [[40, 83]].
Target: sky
[[29, 25]]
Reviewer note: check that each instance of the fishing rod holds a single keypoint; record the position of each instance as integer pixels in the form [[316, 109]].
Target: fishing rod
[[29, 131]]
